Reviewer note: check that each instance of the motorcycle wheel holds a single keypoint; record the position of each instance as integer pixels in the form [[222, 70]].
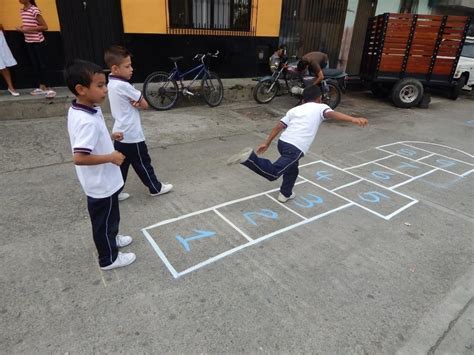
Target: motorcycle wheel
[[333, 97], [265, 91]]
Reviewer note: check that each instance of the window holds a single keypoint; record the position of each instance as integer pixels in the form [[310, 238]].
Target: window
[[210, 14], [468, 50]]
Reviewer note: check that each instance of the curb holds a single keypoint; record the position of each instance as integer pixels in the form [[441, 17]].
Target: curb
[[26, 106]]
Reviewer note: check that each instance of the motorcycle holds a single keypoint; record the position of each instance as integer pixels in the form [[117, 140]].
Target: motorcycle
[[287, 77]]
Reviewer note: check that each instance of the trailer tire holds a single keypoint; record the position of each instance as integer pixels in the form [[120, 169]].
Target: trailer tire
[[456, 89], [407, 93]]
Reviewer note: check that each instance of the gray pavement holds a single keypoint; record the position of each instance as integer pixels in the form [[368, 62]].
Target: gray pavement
[[345, 273]]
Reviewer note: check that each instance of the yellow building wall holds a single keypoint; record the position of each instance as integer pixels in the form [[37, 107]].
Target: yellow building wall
[[150, 16], [268, 18], [10, 13], [144, 16]]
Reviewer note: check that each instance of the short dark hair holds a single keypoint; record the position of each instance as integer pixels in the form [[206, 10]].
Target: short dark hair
[[302, 64], [311, 93], [80, 72], [114, 55]]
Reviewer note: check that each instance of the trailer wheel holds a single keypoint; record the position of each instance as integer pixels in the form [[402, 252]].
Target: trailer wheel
[[456, 89], [407, 93]]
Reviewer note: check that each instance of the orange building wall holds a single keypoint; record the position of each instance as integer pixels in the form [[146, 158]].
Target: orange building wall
[[10, 14]]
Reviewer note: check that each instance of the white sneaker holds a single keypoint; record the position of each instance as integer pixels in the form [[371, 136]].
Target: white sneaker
[[282, 198], [240, 157], [37, 92], [50, 94], [123, 259], [123, 196], [123, 240], [165, 188]]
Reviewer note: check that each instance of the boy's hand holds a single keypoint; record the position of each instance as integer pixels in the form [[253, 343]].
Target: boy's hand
[[117, 158], [360, 121], [262, 148], [118, 136], [135, 103]]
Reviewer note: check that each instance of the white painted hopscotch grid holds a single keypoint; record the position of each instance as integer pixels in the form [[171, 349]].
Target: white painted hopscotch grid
[[197, 239]]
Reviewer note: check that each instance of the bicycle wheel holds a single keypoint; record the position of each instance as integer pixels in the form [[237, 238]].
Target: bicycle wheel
[[265, 91], [160, 92], [212, 89], [333, 96]]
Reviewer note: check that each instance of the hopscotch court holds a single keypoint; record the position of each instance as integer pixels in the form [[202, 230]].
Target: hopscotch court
[[192, 241]]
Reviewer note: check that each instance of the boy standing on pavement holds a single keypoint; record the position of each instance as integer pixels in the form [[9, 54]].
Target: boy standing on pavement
[[300, 126], [127, 132], [97, 163]]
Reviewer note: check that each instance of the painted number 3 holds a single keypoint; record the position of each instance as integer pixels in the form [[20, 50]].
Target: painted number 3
[[309, 201]]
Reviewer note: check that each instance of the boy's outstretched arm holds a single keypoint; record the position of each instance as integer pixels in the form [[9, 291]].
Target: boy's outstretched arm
[[339, 116], [275, 131]]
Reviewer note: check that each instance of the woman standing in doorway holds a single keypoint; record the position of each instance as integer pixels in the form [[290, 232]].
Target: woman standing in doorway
[[33, 25]]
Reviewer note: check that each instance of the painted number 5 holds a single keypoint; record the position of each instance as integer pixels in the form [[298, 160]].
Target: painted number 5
[[372, 196]]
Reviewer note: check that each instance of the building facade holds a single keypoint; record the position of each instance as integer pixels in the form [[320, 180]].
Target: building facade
[[244, 31]]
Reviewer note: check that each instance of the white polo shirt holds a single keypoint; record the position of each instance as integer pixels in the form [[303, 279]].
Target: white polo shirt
[[127, 117], [302, 123], [88, 134]]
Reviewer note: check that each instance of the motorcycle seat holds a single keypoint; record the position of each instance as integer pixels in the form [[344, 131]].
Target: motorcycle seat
[[333, 73]]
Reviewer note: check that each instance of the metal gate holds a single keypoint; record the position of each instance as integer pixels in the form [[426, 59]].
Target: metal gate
[[313, 25], [365, 10], [89, 27]]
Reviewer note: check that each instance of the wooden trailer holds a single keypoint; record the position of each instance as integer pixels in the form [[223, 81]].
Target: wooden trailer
[[405, 53]]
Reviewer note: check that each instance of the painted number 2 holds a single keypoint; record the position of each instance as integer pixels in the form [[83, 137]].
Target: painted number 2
[[249, 216]]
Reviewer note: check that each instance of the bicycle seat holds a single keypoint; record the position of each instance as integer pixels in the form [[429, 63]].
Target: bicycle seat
[[175, 59], [332, 72]]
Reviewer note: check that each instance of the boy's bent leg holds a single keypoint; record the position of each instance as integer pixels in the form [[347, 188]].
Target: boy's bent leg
[[272, 171], [105, 219], [142, 166]]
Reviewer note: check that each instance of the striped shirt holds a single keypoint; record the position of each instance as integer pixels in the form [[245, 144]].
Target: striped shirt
[[29, 18]]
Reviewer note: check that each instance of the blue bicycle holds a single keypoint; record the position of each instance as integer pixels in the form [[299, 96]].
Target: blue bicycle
[[161, 89]]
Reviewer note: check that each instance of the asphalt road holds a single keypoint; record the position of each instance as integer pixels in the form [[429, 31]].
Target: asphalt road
[[375, 256]]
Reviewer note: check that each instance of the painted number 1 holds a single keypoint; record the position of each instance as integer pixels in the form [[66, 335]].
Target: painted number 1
[[199, 235]]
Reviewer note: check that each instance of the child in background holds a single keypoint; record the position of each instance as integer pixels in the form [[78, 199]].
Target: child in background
[[125, 102], [97, 163], [33, 25]]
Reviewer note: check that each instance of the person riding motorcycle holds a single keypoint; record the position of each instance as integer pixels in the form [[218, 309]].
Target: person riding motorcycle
[[277, 58]]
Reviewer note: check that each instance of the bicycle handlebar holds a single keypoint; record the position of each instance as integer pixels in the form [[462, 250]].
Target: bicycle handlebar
[[201, 56]]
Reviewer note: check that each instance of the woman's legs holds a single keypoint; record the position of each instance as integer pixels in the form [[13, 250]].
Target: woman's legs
[[8, 78]]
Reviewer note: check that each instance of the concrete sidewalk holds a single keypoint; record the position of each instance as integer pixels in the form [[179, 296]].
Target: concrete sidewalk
[[27, 106]]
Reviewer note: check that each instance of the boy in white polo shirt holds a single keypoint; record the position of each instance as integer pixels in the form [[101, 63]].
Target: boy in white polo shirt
[[300, 126], [97, 162], [125, 102]]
